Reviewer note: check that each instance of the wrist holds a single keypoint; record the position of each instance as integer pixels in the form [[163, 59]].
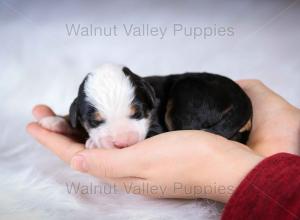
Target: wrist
[[238, 169], [237, 163]]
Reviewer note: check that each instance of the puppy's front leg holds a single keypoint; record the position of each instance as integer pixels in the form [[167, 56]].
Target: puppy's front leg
[[57, 124], [90, 144]]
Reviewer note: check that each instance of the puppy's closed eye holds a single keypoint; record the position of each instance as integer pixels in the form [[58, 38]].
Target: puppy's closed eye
[[96, 120], [135, 113]]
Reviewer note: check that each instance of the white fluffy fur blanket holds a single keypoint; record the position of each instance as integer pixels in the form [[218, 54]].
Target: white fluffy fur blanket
[[36, 185]]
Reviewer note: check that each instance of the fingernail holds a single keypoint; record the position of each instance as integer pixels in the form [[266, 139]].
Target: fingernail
[[78, 162]]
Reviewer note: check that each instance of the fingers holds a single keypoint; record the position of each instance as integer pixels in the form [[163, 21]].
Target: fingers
[[64, 147], [245, 83], [105, 163], [261, 95], [41, 111], [253, 87], [109, 163], [98, 162], [256, 89]]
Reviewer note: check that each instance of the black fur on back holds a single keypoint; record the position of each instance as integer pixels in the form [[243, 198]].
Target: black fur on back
[[202, 101]]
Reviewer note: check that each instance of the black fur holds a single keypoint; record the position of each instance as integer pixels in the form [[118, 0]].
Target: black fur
[[202, 101], [80, 113], [144, 100]]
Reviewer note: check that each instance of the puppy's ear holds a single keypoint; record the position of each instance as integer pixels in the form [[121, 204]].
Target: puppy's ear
[[73, 113], [145, 89], [150, 93]]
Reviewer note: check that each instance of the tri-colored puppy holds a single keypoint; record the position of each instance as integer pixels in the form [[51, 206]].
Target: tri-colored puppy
[[117, 108]]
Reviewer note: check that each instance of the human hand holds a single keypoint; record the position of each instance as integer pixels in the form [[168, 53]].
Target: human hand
[[164, 160], [276, 123], [181, 164]]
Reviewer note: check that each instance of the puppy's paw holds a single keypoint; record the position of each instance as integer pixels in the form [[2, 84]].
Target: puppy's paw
[[56, 124], [90, 144]]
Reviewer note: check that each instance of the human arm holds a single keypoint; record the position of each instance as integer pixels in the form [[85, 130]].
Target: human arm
[[191, 157]]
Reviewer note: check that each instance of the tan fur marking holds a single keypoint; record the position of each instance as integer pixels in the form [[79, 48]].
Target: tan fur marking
[[98, 116], [132, 110], [67, 117], [168, 120], [246, 127], [227, 110]]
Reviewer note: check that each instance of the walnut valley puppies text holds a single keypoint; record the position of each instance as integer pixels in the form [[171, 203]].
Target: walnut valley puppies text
[[149, 31], [147, 189]]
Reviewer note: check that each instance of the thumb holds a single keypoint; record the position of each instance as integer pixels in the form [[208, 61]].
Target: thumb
[[108, 163]]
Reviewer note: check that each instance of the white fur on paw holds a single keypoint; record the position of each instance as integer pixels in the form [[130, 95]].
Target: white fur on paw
[[56, 124], [90, 144]]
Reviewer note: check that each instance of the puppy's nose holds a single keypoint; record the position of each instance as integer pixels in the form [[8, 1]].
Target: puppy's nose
[[120, 145], [125, 140]]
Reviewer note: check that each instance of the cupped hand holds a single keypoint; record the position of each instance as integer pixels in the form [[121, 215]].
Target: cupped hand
[[185, 164], [276, 123], [181, 164]]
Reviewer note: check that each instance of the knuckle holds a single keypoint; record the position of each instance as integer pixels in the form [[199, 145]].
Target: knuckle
[[146, 169], [251, 83], [257, 81]]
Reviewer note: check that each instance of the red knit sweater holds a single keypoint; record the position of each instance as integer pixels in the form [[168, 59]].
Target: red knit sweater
[[270, 191]]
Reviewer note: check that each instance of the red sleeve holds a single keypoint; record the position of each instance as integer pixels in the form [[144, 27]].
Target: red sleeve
[[270, 191]]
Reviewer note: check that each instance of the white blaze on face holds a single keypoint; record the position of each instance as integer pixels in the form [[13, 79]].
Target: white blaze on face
[[111, 92]]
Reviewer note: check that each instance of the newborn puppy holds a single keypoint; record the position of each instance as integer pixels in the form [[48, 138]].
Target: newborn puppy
[[117, 108], [114, 106]]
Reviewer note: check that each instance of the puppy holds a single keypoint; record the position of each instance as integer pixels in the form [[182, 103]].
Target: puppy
[[117, 108]]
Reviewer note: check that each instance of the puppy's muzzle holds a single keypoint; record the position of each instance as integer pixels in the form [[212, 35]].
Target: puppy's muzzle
[[120, 140]]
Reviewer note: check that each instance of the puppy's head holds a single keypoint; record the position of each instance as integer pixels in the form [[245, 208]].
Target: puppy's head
[[114, 105]]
